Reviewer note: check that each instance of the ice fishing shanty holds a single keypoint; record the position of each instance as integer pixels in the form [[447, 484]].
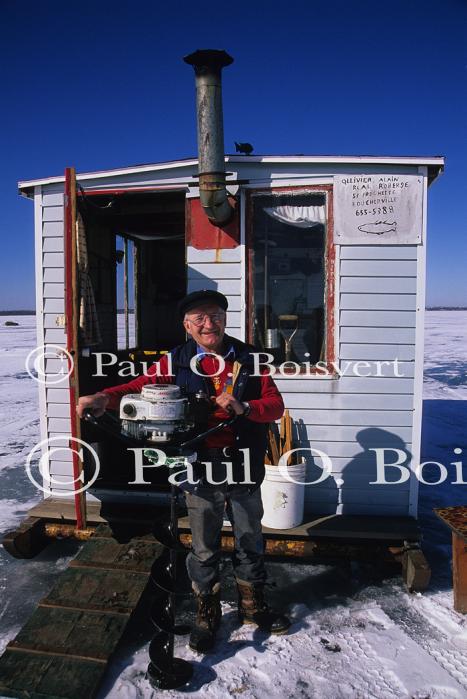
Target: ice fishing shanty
[[322, 259]]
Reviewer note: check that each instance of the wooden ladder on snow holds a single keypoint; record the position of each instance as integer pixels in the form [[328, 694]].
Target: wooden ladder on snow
[[63, 650]]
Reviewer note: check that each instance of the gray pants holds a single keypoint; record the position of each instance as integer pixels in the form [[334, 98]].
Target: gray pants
[[206, 514]]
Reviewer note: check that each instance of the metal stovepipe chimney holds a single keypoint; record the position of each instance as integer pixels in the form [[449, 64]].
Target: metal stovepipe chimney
[[208, 64]]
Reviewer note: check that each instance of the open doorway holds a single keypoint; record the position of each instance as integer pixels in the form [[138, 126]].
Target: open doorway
[[135, 247], [136, 254]]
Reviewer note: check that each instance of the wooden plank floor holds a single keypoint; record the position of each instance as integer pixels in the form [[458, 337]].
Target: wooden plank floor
[[330, 526], [63, 650]]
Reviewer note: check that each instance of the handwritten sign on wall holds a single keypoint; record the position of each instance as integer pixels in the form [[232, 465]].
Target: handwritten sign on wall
[[378, 209]]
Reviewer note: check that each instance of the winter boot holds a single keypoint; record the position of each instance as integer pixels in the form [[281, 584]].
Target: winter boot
[[252, 609], [208, 619]]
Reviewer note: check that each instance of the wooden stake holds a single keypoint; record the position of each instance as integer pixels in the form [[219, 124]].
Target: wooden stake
[[274, 449], [459, 572]]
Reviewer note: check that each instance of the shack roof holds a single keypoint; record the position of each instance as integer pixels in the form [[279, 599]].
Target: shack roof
[[435, 165]]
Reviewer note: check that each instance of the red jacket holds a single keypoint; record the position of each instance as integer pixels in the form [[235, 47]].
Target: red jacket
[[268, 408]]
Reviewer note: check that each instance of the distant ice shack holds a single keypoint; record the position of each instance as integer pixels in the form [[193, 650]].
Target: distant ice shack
[[322, 259]]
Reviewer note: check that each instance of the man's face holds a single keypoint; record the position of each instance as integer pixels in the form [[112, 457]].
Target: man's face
[[206, 325]]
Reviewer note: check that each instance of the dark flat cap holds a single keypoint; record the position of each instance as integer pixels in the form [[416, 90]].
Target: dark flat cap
[[197, 298]]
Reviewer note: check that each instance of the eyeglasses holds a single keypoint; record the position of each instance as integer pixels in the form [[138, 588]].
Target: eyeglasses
[[202, 318]]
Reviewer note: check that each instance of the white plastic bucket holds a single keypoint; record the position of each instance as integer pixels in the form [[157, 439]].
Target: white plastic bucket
[[283, 500]]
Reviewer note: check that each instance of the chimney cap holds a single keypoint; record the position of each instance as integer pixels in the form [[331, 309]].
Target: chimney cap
[[214, 59]]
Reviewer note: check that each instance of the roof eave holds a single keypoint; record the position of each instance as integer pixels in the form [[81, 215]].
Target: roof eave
[[434, 164]]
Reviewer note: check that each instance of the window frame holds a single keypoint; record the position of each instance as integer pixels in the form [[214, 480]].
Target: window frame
[[328, 364]]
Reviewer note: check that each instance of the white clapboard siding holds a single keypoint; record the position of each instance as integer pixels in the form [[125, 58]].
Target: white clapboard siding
[[359, 470], [235, 304], [56, 365], [50, 320], [54, 199], [378, 285], [370, 352], [378, 302], [58, 424], [350, 449], [58, 395], [62, 468], [206, 272], [62, 456], [52, 213], [404, 336], [57, 382], [368, 418], [378, 268], [377, 319], [60, 440], [56, 337], [53, 259], [350, 385], [234, 319], [58, 410], [54, 244], [340, 479], [53, 290], [378, 252], [54, 305], [348, 401], [352, 433], [221, 270], [52, 229], [351, 368], [226, 255], [55, 275], [229, 287]]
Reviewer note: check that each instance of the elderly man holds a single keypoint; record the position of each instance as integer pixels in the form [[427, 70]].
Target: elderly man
[[224, 370]]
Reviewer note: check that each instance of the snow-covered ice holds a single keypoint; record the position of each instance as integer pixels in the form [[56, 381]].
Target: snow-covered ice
[[354, 636], [445, 366]]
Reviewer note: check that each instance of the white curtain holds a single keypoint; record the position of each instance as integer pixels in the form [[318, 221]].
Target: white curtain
[[300, 216]]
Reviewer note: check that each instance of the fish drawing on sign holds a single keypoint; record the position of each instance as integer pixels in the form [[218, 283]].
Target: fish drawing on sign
[[280, 500], [378, 227]]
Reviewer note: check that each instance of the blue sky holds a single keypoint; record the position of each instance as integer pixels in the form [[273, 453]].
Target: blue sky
[[102, 84]]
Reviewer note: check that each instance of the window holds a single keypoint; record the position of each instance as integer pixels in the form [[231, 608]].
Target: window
[[290, 254], [126, 260]]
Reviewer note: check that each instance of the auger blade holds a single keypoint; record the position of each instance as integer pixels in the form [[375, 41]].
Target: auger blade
[[173, 581], [163, 619], [162, 532]]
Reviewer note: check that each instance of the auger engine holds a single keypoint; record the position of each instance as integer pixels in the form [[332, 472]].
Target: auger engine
[[162, 414]]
